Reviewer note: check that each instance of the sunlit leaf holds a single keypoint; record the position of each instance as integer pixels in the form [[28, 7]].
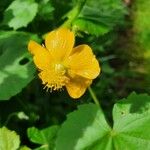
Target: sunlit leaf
[[82, 129], [9, 140], [20, 13], [24, 148], [16, 68], [87, 129], [131, 123]]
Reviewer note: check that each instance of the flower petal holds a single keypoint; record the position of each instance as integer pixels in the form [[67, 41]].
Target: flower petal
[[42, 57], [47, 76], [77, 86], [83, 62], [60, 43]]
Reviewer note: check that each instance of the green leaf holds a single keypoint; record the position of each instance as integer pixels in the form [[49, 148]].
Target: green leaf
[[100, 16], [16, 67], [87, 129], [46, 137], [45, 9], [82, 128], [90, 27], [20, 13], [131, 122], [9, 140], [24, 148]]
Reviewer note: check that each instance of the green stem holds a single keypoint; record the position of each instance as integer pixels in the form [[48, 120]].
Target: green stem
[[72, 14], [9, 118], [95, 99]]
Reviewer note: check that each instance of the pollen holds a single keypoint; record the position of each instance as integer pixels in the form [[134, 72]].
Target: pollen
[[54, 78], [60, 68]]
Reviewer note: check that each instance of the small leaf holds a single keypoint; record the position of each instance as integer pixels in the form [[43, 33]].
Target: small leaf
[[16, 67], [20, 13], [46, 137], [9, 140]]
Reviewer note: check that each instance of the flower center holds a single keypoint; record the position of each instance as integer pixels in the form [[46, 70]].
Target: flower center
[[55, 78], [60, 69]]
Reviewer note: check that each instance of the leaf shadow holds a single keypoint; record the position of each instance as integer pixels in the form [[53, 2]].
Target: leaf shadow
[[13, 83], [8, 15], [137, 103]]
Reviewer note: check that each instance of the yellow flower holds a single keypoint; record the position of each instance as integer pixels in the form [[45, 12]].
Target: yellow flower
[[62, 65]]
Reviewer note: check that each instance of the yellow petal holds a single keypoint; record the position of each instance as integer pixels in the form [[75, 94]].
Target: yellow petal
[[77, 86], [60, 43], [42, 57], [83, 62]]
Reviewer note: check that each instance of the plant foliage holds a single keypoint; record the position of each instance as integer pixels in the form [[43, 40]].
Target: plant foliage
[[118, 31]]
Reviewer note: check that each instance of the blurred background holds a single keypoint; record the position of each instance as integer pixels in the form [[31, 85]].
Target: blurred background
[[118, 32]]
